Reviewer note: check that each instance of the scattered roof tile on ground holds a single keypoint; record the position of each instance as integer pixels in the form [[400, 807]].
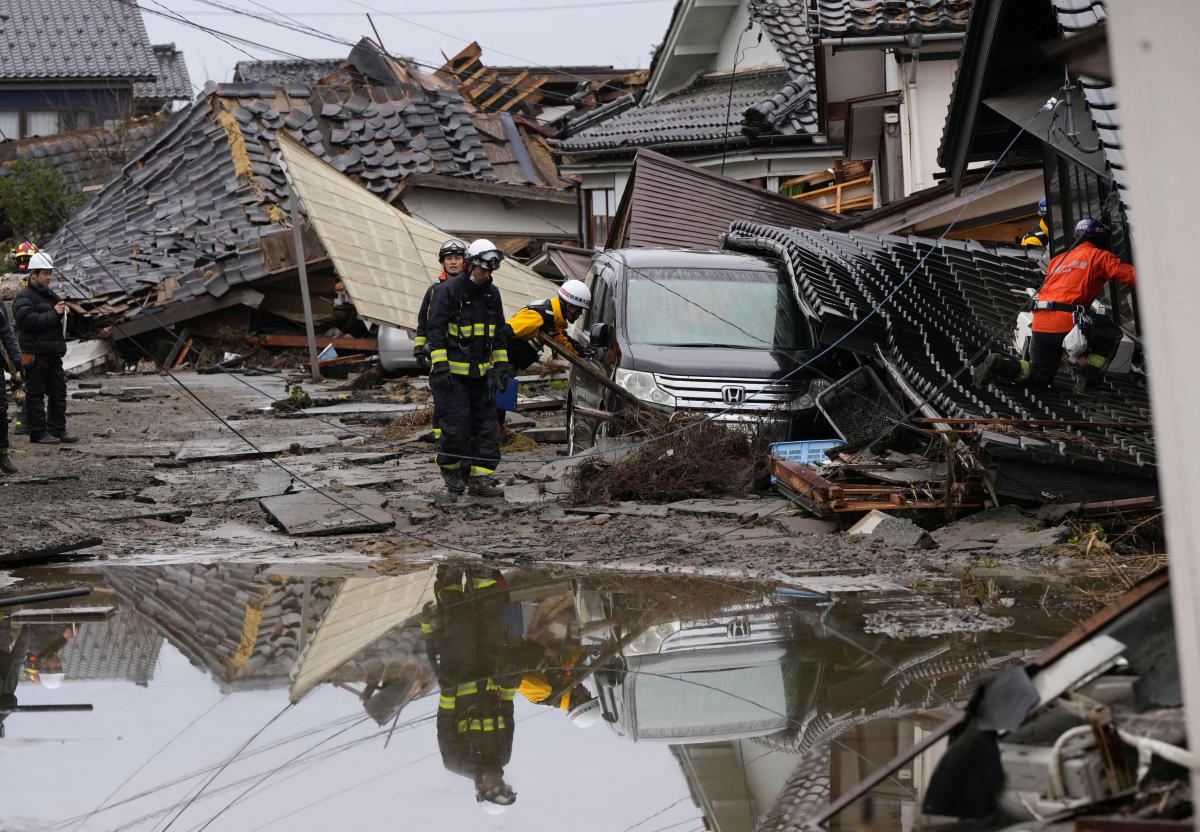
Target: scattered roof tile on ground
[[874, 18], [705, 113], [90, 39]]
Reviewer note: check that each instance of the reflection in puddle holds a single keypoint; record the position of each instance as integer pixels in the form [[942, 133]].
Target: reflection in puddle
[[245, 698]]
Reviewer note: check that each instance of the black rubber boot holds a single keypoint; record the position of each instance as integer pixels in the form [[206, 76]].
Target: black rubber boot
[[484, 487], [6, 463], [454, 481], [995, 366]]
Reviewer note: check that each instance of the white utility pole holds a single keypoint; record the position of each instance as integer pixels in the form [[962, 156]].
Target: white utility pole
[[1155, 54]]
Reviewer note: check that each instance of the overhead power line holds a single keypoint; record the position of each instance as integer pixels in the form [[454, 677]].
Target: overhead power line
[[572, 7]]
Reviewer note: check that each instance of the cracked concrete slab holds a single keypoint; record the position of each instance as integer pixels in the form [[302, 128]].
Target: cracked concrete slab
[[311, 513]]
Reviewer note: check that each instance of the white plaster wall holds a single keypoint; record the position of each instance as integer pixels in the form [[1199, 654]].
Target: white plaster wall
[[755, 52], [853, 73], [922, 116], [458, 212]]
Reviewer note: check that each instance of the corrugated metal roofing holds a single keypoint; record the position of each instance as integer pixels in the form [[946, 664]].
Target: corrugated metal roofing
[[62, 39], [385, 258], [674, 204], [362, 612]]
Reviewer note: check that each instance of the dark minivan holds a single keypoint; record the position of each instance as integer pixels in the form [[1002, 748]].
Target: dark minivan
[[696, 330]]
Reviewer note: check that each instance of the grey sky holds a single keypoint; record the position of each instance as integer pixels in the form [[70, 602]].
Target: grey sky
[[62, 765], [604, 32]]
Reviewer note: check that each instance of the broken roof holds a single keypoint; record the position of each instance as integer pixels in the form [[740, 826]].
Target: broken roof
[[299, 71], [715, 109], [74, 39], [874, 18], [173, 82], [962, 301], [196, 202], [671, 203], [384, 257]]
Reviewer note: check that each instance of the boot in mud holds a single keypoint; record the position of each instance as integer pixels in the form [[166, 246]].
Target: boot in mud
[[6, 463], [484, 487], [454, 482]]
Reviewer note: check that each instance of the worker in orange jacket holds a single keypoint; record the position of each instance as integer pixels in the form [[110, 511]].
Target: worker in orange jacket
[[1073, 281]]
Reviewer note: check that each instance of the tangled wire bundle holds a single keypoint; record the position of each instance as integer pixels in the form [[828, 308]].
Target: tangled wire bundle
[[709, 459]]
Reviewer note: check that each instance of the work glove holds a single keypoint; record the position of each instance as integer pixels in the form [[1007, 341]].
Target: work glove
[[439, 378], [423, 363], [499, 377]]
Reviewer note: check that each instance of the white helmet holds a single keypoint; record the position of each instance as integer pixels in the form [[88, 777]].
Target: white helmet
[[493, 808], [576, 293], [585, 715], [51, 681], [40, 260], [483, 253]]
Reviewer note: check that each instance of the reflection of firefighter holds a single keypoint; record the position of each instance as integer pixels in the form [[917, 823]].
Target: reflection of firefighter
[[474, 658], [33, 656]]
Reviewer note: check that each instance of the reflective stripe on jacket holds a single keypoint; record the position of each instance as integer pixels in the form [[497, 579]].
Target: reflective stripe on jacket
[[466, 327], [1077, 277], [544, 316], [423, 313]]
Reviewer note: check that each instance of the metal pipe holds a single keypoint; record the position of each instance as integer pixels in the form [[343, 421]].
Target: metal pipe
[[56, 595], [889, 40]]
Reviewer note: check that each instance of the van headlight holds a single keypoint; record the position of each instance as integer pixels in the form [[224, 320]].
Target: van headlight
[[643, 386], [808, 399]]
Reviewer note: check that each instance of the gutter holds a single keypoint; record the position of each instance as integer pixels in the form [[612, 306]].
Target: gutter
[[890, 40]]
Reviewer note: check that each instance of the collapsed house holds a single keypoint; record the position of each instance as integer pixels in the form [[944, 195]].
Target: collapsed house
[[197, 223]]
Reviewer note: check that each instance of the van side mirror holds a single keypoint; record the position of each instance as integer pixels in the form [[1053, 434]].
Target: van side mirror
[[600, 338]]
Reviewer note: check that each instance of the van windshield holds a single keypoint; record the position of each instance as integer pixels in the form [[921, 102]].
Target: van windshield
[[714, 307]]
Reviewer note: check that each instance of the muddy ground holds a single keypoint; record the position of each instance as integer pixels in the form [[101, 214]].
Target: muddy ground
[[138, 489]]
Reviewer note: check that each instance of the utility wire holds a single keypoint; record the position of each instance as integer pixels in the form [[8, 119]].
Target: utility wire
[[497, 9]]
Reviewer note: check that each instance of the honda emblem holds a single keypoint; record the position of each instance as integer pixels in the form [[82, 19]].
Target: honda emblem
[[733, 394]]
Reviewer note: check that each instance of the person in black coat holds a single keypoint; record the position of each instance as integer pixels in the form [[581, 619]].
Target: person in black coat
[[9, 345], [40, 316]]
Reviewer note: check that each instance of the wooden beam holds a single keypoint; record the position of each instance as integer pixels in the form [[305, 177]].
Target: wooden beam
[[186, 310]]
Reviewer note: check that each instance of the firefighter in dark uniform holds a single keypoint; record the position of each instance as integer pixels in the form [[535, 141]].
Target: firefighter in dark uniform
[[451, 257], [1039, 235], [477, 663], [40, 318], [469, 364]]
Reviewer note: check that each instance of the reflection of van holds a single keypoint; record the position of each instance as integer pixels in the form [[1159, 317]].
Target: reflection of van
[[728, 677], [703, 330]]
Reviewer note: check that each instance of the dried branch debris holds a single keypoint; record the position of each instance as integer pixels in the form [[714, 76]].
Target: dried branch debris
[[705, 460]]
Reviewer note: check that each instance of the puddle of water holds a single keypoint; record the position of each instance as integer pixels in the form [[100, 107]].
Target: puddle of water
[[715, 705]]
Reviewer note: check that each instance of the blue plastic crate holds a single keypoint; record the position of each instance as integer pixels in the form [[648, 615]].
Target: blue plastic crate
[[806, 450]]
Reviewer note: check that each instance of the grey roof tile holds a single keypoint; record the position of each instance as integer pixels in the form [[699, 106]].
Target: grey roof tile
[[303, 72], [859, 18], [173, 82], [97, 39], [764, 101]]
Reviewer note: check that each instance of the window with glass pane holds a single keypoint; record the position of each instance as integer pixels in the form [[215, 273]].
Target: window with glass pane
[[10, 124], [41, 122]]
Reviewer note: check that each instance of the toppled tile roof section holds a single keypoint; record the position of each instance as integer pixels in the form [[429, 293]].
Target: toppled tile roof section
[[961, 301], [309, 72], [1075, 16], [787, 27], [196, 203], [574, 124], [75, 39], [172, 83], [876, 18], [84, 157], [713, 110]]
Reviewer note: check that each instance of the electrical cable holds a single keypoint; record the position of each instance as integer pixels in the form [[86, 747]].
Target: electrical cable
[[709, 417], [498, 9]]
